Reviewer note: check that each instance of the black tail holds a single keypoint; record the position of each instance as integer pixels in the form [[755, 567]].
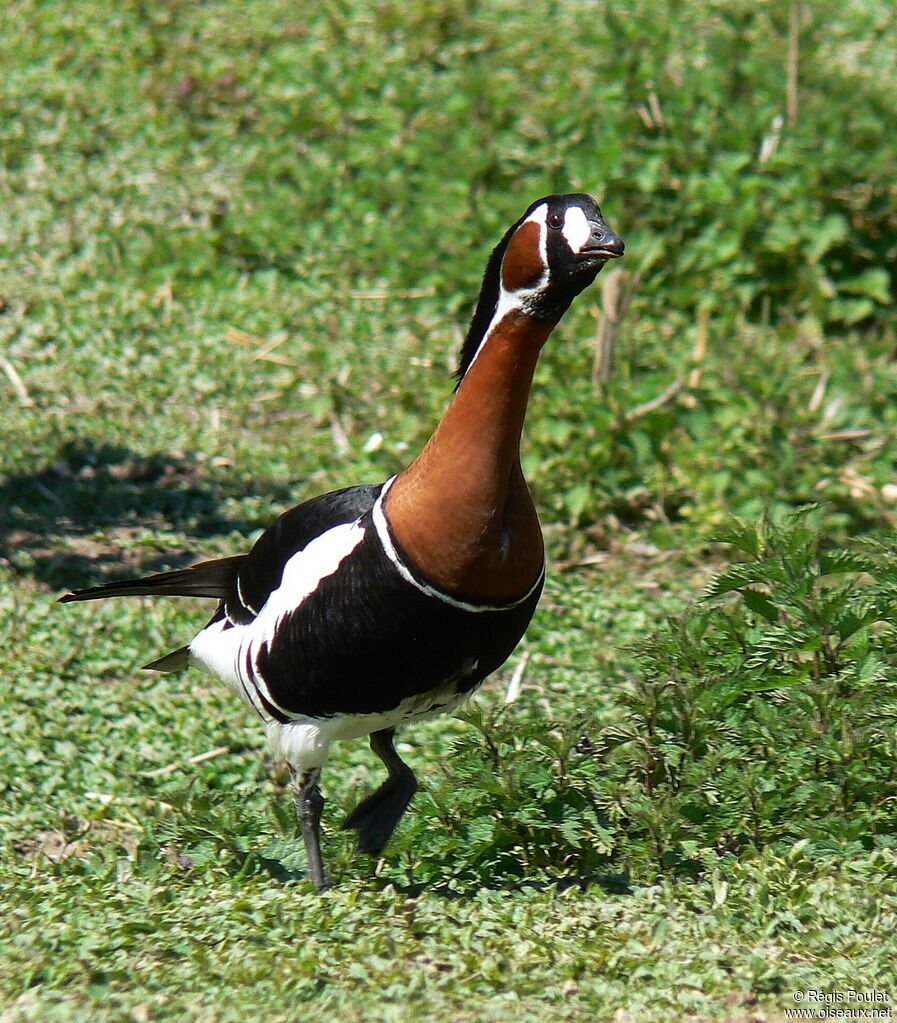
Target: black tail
[[207, 579], [177, 660]]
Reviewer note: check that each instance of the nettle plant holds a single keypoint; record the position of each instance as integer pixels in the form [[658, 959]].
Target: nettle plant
[[767, 714], [762, 716]]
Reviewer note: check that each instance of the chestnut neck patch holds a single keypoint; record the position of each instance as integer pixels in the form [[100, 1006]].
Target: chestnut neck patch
[[523, 266]]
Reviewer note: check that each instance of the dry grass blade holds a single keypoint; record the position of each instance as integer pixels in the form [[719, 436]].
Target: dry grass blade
[[199, 758], [655, 403], [516, 683], [18, 385], [617, 289]]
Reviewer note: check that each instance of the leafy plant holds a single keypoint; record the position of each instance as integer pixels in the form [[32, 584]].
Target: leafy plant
[[763, 716], [767, 716]]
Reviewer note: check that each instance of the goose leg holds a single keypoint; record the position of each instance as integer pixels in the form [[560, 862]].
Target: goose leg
[[375, 818], [309, 806]]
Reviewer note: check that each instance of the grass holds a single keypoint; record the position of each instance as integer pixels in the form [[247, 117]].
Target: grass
[[237, 255]]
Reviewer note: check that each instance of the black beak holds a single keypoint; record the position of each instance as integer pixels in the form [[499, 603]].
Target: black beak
[[602, 242]]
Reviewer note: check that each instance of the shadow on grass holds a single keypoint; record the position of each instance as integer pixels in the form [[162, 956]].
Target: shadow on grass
[[611, 884], [459, 888], [287, 872], [86, 517]]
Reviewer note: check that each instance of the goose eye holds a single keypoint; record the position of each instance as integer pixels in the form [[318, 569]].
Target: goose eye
[[555, 220]]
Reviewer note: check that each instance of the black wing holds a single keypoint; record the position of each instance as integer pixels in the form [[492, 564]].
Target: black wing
[[261, 570]]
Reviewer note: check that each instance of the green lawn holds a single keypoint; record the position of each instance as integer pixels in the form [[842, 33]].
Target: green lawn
[[238, 246]]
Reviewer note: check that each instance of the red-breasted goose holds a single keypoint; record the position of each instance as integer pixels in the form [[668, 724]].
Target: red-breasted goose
[[378, 605]]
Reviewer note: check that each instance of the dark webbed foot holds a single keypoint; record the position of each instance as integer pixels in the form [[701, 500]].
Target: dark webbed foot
[[309, 807], [375, 818]]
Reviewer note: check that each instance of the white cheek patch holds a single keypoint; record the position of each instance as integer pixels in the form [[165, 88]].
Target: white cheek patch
[[576, 228]]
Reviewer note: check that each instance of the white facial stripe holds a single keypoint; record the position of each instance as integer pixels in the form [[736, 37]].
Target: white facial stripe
[[538, 216], [509, 300], [576, 228]]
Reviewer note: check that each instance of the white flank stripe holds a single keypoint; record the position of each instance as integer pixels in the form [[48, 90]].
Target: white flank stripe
[[303, 573], [251, 689], [221, 651], [389, 547]]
